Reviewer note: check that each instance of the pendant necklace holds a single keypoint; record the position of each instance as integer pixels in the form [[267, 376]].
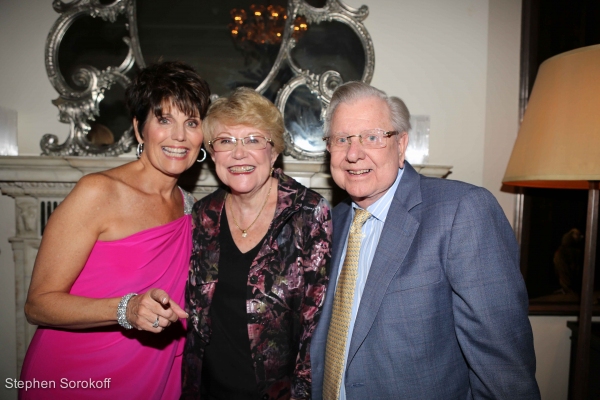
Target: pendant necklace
[[245, 231]]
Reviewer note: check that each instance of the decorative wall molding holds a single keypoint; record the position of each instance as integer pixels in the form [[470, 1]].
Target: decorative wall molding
[[36, 189], [27, 217]]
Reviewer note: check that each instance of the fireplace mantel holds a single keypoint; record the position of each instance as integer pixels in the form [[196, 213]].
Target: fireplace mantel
[[23, 171], [39, 184]]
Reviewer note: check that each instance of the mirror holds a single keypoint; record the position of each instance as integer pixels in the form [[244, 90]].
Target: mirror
[[200, 34], [304, 129], [295, 52]]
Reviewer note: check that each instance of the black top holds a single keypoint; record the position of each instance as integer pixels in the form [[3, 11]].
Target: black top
[[227, 366]]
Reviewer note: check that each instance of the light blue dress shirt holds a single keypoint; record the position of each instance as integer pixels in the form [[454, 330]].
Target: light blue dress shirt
[[371, 231]]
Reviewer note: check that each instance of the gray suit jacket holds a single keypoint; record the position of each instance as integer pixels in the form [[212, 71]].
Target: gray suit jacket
[[444, 311]]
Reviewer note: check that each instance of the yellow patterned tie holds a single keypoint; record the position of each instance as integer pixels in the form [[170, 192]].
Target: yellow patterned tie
[[342, 310]]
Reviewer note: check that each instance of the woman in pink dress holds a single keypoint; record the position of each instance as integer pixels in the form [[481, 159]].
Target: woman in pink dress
[[108, 282]]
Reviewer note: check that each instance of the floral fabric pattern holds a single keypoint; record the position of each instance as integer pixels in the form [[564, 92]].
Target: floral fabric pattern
[[285, 289]]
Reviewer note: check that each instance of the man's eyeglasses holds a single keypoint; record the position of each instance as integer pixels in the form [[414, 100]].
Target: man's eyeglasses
[[370, 139], [250, 142]]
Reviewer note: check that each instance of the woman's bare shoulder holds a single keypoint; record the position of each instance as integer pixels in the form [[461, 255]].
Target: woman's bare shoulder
[[99, 191], [96, 186], [107, 183]]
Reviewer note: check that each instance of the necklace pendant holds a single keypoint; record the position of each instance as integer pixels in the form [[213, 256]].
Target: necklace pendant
[[244, 233]]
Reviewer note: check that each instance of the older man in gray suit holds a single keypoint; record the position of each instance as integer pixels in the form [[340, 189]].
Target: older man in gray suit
[[426, 300]]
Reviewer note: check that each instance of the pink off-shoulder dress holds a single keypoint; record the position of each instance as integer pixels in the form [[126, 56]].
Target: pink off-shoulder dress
[[111, 362]]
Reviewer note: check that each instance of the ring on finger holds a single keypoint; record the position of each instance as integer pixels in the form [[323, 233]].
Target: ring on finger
[[155, 324]]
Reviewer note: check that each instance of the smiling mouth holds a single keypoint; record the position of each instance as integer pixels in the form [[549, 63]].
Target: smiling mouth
[[359, 172], [241, 169], [178, 152]]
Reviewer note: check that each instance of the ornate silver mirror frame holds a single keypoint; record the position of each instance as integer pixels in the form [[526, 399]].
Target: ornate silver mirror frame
[[80, 105], [321, 85]]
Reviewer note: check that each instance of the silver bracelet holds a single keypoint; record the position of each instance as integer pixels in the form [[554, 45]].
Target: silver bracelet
[[122, 311]]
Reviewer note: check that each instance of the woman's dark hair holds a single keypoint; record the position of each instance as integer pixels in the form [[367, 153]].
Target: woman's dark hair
[[167, 82]]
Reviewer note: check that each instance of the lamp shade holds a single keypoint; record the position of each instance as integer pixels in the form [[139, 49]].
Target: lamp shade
[[558, 145]]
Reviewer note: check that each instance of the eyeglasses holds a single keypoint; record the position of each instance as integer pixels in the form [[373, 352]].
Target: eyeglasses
[[250, 142], [370, 139]]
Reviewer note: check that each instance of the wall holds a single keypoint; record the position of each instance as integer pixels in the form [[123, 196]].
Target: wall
[[433, 54], [24, 87], [502, 100], [457, 61]]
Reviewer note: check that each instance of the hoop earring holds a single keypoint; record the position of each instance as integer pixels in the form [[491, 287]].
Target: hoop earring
[[203, 155], [139, 150]]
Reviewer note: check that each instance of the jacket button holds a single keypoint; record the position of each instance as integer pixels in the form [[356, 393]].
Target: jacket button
[[253, 318], [253, 279], [265, 397], [259, 358]]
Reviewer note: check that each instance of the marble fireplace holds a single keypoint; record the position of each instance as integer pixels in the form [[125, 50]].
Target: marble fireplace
[[39, 183]]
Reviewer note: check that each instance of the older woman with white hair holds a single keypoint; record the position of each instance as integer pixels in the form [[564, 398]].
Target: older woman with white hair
[[260, 263]]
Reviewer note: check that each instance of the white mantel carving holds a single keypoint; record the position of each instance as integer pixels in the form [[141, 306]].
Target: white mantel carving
[[35, 181]]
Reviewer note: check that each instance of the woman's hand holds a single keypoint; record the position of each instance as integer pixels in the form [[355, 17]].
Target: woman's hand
[[145, 310]]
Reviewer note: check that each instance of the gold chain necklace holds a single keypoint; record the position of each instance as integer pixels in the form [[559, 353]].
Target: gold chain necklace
[[245, 231]]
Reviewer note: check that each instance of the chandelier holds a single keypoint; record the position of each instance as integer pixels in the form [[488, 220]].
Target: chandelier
[[263, 24]]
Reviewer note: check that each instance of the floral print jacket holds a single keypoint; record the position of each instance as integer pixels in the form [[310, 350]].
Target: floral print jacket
[[285, 292]]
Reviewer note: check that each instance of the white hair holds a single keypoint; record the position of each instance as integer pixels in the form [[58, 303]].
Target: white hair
[[355, 90]]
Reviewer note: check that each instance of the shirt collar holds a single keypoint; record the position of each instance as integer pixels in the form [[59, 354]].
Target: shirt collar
[[380, 208]]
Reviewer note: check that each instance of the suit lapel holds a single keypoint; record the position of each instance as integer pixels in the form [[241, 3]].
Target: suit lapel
[[342, 219], [396, 238]]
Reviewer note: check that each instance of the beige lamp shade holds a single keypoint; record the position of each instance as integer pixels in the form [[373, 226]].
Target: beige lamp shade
[[558, 145]]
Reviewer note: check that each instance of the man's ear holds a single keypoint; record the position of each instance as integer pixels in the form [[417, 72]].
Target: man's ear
[[138, 136], [402, 145]]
